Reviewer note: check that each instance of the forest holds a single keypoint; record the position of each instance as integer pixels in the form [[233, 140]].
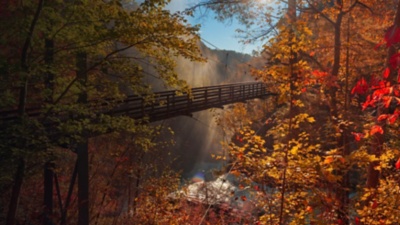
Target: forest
[[323, 150]]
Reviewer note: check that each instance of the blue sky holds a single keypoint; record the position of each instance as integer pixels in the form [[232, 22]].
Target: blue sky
[[220, 35]]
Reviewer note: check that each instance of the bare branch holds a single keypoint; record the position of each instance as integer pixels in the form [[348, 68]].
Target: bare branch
[[320, 13]]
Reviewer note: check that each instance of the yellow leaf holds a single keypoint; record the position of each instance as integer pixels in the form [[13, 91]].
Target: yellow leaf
[[311, 119], [294, 150]]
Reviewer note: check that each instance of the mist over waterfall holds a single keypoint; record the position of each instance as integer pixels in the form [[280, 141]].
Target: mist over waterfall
[[198, 136]]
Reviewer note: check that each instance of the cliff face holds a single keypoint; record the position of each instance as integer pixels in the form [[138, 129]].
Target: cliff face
[[222, 66]]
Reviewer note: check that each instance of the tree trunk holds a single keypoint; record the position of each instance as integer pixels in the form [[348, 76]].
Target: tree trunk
[[19, 176], [291, 14]]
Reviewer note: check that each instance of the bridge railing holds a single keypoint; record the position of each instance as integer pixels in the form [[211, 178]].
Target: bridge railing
[[169, 103]]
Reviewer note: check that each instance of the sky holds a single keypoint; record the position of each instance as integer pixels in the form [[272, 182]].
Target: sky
[[214, 34]]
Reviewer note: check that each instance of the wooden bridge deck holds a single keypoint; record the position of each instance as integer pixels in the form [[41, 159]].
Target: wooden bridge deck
[[168, 104]]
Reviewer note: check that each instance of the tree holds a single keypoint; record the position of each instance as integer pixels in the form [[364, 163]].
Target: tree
[[67, 63], [313, 70]]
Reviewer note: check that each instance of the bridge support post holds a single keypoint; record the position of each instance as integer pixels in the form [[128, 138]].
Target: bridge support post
[[82, 147], [219, 95], [48, 173], [83, 183], [48, 192]]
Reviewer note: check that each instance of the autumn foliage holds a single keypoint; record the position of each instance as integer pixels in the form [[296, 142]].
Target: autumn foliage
[[324, 150], [335, 154]]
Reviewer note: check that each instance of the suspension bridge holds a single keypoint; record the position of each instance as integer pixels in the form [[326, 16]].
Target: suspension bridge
[[165, 104]]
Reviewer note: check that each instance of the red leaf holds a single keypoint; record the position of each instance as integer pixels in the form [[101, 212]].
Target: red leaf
[[398, 76], [394, 61], [319, 74], [392, 118], [354, 90], [357, 136], [303, 90], [361, 87], [392, 36], [381, 92], [398, 164], [386, 72], [376, 129], [374, 205], [244, 198], [376, 84], [368, 102], [396, 92], [387, 100], [383, 117], [357, 220]]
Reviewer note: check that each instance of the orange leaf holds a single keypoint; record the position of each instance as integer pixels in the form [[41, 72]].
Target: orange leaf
[[398, 164], [328, 160], [243, 197], [376, 129], [235, 173], [309, 209]]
